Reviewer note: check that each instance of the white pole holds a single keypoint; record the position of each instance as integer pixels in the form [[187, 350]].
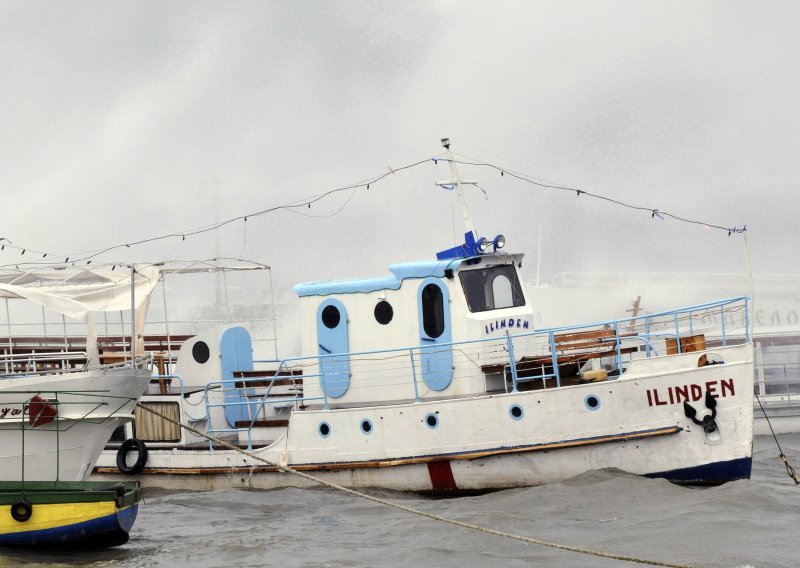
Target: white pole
[[274, 313], [166, 316], [133, 317], [457, 180]]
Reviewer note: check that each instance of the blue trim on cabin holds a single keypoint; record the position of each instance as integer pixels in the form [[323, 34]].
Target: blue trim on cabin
[[108, 530], [709, 474], [401, 271]]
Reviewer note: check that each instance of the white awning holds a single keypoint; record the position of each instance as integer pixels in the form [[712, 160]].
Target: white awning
[[79, 293]]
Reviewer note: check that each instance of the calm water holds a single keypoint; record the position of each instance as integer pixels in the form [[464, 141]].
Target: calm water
[[747, 523]]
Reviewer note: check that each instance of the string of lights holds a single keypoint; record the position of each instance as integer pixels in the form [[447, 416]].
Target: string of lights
[[39, 257], [654, 213]]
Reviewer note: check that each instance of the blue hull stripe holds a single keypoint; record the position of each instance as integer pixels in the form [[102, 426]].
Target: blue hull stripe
[[711, 474], [110, 530]]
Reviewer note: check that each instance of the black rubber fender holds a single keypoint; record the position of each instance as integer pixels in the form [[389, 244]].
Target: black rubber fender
[[131, 444], [21, 510]]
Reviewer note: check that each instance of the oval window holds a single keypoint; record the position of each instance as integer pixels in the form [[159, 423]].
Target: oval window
[[331, 316], [200, 352], [383, 312], [433, 311]]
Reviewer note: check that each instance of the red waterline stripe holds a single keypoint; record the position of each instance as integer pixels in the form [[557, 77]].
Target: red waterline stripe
[[442, 476]]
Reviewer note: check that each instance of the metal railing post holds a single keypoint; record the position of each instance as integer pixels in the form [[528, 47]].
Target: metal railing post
[[722, 316], [512, 361], [414, 374], [554, 357]]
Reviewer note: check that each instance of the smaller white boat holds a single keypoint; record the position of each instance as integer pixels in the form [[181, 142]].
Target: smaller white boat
[[58, 403]]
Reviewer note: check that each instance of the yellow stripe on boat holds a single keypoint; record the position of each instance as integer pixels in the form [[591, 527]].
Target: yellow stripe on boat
[[53, 515]]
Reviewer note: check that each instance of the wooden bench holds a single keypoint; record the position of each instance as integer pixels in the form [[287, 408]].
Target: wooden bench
[[573, 349]]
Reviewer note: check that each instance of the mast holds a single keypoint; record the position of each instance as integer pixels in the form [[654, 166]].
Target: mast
[[456, 183]]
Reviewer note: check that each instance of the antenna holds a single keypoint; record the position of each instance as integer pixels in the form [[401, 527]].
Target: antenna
[[455, 183]]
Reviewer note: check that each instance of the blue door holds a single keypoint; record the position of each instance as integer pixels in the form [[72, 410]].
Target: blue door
[[434, 330], [333, 341], [236, 354]]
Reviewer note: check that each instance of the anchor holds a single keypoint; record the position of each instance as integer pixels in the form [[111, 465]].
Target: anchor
[[707, 422]]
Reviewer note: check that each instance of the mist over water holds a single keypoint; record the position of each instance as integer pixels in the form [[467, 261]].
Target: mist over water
[[744, 523]]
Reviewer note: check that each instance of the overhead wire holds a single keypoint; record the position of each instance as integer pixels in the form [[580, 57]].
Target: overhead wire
[[296, 207], [654, 212]]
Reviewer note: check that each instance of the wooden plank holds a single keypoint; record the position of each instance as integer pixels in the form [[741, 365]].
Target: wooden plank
[[583, 335], [276, 383], [268, 373], [262, 424]]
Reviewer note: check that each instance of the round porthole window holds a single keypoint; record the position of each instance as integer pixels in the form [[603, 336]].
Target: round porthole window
[[432, 420], [324, 429], [516, 412], [331, 316], [592, 402], [383, 312], [200, 352], [366, 426]]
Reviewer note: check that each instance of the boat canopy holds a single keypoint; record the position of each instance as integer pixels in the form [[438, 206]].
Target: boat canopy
[[78, 293]]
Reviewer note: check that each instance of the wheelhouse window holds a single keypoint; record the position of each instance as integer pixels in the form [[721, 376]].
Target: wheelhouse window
[[492, 288]]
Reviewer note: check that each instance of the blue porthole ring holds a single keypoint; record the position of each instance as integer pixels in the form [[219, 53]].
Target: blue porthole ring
[[592, 402], [366, 426], [432, 420], [324, 429], [516, 412]]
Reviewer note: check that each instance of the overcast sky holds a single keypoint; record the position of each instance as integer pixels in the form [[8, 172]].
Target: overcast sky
[[128, 120]]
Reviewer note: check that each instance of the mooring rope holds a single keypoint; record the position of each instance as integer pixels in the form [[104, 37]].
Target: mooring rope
[[418, 512], [789, 469]]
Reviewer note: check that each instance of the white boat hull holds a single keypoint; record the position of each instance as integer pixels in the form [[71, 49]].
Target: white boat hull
[[90, 405], [637, 424]]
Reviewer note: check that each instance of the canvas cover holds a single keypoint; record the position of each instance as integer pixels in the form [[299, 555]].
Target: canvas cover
[[78, 294]]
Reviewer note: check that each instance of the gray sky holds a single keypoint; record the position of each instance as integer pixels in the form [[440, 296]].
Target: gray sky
[[128, 120]]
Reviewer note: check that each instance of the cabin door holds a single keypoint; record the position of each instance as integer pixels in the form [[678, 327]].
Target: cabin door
[[332, 338], [236, 354], [436, 358]]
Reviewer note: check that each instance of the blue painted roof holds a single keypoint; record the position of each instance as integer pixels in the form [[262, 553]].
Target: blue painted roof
[[400, 271]]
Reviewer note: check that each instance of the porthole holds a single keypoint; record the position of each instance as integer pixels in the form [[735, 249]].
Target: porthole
[[366, 426], [200, 352], [592, 402], [383, 312], [516, 412], [324, 429], [432, 420], [331, 316]]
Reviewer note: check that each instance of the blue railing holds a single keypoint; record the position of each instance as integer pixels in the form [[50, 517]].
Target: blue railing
[[508, 360]]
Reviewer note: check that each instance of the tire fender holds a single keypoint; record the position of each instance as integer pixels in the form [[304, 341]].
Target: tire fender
[[21, 510], [131, 444]]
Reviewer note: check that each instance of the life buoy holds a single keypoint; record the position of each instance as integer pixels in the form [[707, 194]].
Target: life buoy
[[21, 510], [122, 456]]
